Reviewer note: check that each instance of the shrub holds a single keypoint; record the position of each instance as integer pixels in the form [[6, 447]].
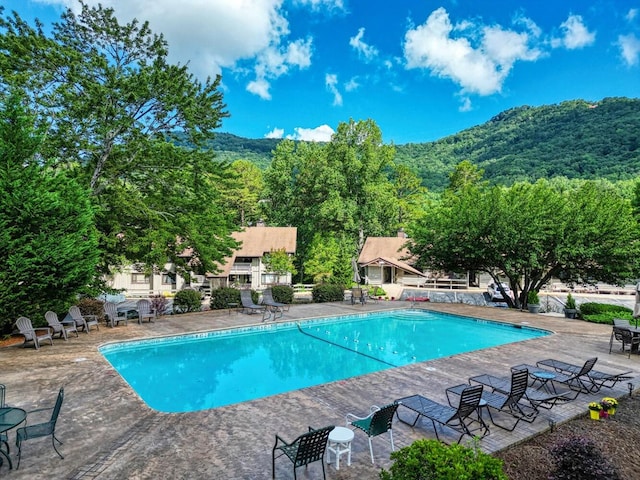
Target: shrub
[[282, 294], [187, 300], [91, 306], [327, 292], [580, 459], [532, 298], [159, 304], [377, 292], [604, 312], [571, 302], [433, 459], [222, 297]]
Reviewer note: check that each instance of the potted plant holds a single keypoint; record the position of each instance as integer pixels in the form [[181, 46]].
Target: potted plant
[[612, 404], [570, 310], [594, 410], [533, 302]]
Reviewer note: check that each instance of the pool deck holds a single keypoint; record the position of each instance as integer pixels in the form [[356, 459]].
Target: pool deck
[[109, 433]]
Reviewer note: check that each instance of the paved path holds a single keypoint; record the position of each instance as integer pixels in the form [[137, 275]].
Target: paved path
[[109, 433]]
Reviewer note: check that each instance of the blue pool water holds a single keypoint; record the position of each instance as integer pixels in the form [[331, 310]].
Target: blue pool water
[[207, 370]]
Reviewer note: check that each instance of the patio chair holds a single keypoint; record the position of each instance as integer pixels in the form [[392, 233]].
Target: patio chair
[[62, 329], [509, 402], [250, 308], [357, 295], [456, 419], [112, 315], [145, 311], [578, 381], [378, 421], [305, 449], [83, 321], [41, 429], [536, 398], [35, 335], [626, 337], [3, 436], [598, 378], [276, 307]]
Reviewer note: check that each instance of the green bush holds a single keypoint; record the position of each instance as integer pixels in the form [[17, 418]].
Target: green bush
[[571, 302], [377, 292], [282, 294], [532, 298], [187, 300], [431, 459], [578, 458], [222, 297], [604, 312], [327, 292]]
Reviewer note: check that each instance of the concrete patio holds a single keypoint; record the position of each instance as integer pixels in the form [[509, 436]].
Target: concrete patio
[[109, 433]]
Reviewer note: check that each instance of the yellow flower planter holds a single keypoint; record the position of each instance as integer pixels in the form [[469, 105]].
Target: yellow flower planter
[[595, 414]]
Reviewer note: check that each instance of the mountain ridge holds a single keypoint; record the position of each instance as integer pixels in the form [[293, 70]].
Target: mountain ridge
[[574, 138]]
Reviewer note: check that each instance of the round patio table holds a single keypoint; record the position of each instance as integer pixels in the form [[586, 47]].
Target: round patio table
[[10, 418]]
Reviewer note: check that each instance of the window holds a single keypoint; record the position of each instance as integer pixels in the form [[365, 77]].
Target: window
[[139, 278], [168, 279]]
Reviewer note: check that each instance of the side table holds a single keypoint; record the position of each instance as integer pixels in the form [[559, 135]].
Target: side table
[[340, 442]]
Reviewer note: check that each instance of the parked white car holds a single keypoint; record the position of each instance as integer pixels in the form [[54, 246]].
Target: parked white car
[[495, 294]]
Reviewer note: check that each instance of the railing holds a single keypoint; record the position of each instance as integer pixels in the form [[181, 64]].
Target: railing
[[448, 283], [239, 268]]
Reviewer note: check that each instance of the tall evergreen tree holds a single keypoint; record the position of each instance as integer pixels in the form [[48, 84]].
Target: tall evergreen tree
[[48, 242]]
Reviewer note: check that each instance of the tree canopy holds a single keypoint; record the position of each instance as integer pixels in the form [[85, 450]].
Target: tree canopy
[[48, 242], [115, 112], [530, 233]]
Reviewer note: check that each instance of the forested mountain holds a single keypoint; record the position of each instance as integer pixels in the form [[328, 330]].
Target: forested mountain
[[576, 139]]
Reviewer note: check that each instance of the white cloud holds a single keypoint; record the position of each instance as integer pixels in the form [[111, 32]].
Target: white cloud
[[316, 5], [465, 104], [215, 34], [575, 34], [352, 85], [367, 51], [322, 133], [629, 49], [632, 14], [275, 133], [331, 82], [479, 62]]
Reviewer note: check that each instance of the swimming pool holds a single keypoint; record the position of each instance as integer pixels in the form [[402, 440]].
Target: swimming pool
[[211, 369]]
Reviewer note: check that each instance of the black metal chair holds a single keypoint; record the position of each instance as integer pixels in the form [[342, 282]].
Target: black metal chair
[[41, 429], [509, 402], [626, 337], [249, 307], [456, 419], [575, 377], [305, 449], [376, 423], [3, 436]]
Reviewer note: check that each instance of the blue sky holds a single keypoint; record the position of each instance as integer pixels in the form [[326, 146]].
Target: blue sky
[[421, 70]]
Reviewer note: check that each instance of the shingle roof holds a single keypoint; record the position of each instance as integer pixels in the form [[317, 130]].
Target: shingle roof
[[256, 241], [391, 250]]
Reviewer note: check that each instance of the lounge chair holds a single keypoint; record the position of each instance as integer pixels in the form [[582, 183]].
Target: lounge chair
[[305, 449], [597, 378], [250, 308], [509, 402], [112, 315], [456, 419], [83, 321], [577, 381], [378, 421], [626, 337], [62, 329], [41, 429], [535, 397], [35, 335], [276, 307], [145, 311]]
